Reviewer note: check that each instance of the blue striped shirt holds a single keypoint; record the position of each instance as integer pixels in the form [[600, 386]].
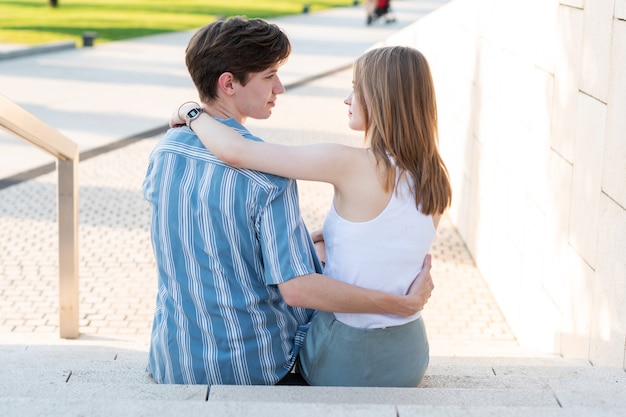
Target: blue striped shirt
[[223, 239]]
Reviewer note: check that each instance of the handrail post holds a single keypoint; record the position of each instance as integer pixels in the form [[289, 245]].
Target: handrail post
[[68, 247], [27, 127]]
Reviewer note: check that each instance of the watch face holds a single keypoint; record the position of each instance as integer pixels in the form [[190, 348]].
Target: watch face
[[193, 113]]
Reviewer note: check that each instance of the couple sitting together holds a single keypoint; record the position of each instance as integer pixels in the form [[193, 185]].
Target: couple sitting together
[[242, 297]]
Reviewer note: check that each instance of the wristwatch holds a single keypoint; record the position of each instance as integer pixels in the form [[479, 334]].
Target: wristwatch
[[193, 114]]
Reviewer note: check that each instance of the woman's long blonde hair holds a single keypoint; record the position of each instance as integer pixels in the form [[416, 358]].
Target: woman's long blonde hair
[[395, 89]]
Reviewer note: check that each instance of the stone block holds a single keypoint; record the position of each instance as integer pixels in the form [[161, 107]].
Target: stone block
[[557, 221], [540, 314], [608, 327], [573, 3], [620, 9], [546, 34], [512, 24], [567, 80], [541, 91], [596, 48], [505, 275], [478, 220], [486, 17], [512, 142], [614, 163], [489, 76], [512, 160], [587, 177], [577, 306]]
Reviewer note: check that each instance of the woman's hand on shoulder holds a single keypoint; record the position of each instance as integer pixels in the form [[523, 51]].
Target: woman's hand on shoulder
[[177, 119]]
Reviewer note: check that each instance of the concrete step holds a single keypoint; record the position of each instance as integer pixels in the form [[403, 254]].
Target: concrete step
[[23, 388], [79, 407], [392, 396], [99, 380], [88, 372], [554, 373], [482, 411], [543, 383], [71, 357]]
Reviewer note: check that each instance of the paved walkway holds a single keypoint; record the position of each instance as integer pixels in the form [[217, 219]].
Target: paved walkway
[[111, 95]]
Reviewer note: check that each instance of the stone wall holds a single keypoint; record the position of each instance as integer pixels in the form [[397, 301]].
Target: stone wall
[[532, 106]]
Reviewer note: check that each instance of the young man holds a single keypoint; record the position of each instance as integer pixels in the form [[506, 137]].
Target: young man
[[238, 277]]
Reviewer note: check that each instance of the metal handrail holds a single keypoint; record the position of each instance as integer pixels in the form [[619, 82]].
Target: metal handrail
[[27, 127]]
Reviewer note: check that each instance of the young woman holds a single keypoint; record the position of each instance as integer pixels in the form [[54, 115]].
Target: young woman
[[388, 199]]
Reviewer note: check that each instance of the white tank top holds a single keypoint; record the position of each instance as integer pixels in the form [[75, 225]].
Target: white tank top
[[385, 253]]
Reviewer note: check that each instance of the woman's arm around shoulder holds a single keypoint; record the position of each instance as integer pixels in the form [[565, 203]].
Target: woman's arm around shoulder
[[327, 162]]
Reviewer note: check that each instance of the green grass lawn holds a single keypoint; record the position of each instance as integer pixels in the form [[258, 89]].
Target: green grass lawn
[[35, 22]]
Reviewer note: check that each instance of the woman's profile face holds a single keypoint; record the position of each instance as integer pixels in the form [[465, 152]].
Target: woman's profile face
[[355, 113]]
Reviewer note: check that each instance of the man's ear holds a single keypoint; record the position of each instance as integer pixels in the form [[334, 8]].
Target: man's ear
[[226, 83]]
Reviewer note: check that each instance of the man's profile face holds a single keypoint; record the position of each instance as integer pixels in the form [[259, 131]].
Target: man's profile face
[[258, 97]]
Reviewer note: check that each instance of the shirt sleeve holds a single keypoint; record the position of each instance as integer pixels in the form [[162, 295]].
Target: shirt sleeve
[[286, 245]]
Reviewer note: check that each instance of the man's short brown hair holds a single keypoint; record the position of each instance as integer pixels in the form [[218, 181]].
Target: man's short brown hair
[[238, 45]]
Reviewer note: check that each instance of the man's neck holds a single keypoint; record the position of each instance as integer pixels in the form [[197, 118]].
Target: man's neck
[[223, 111]]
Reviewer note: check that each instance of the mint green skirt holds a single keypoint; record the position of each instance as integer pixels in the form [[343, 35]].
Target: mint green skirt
[[335, 354]]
